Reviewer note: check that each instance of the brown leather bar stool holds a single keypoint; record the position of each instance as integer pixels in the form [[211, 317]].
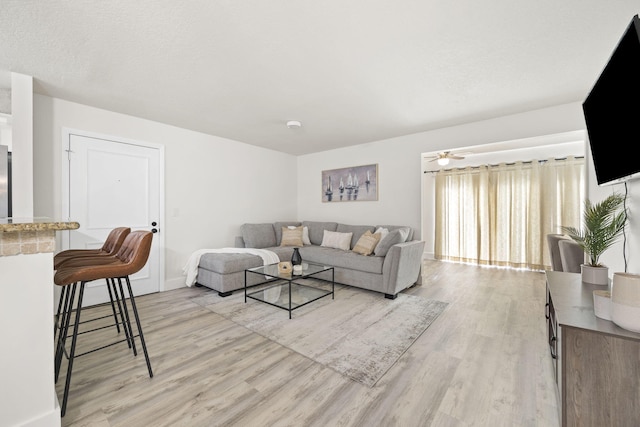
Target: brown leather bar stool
[[131, 257], [110, 247]]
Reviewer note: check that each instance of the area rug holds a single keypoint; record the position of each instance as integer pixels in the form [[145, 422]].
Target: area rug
[[359, 334]]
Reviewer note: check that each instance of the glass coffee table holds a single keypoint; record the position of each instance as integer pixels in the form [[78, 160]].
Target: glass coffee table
[[287, 291]]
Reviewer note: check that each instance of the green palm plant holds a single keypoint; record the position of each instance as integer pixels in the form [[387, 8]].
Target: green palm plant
[[602, 224]]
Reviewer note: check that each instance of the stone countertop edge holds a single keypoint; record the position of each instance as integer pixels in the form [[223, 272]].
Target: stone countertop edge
[[9, 225]]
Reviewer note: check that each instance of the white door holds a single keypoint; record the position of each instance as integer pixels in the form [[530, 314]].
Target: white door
[[114, 184]]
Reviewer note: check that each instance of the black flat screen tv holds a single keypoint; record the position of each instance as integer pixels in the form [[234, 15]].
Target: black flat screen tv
[[612, 112]]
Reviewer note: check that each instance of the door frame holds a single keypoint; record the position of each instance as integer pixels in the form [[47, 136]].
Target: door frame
[[66, 138]]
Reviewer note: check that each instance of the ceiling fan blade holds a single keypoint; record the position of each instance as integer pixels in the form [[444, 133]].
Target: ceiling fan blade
[[455, 157]]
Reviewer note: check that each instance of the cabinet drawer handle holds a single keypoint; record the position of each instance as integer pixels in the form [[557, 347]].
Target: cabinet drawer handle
[[552, 347]]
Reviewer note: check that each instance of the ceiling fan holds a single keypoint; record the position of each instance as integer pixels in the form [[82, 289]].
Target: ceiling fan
[[444, 157]]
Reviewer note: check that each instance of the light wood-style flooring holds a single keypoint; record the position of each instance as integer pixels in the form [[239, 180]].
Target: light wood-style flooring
[[484, 362]]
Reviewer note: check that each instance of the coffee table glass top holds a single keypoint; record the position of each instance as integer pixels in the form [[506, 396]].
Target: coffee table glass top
[[272, 271]]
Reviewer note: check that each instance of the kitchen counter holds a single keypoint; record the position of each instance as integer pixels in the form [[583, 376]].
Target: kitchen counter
[[9, 225], [30, 235]]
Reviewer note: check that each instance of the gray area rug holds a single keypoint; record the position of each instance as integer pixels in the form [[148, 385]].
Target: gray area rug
[[359, 334]]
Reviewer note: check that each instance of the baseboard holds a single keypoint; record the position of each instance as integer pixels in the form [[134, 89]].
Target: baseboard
[[175, 283], [48, 419]]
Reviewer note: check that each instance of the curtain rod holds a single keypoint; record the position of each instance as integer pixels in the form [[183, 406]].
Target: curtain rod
[[507, 164]]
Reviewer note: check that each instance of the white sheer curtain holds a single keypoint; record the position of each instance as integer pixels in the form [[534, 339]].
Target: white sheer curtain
[[500, 214]]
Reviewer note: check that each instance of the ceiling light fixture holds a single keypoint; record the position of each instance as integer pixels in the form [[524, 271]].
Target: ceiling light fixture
[[443, 161], [294, 124]]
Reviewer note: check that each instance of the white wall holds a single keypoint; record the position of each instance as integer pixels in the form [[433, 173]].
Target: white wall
[[212, 184], [400, 164], [614, 257], [22, 192]]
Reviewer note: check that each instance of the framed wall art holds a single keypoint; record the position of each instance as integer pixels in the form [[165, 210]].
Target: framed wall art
[[352, 184]]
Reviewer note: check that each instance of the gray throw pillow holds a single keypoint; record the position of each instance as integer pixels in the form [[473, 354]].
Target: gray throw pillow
[[394, 237]]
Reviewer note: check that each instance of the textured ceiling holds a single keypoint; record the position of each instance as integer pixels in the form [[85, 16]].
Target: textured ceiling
[[351, 71]]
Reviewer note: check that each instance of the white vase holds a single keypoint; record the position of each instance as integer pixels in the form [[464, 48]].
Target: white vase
[[595, 275], [625, 301]]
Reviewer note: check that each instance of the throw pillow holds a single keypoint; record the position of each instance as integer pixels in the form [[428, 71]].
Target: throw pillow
[[333, 239], [305, 234], [382, 232], [292, 236], [392, 238], [366, 243]]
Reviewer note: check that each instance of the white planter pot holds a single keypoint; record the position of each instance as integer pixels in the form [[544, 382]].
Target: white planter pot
[[625, 301], [595, 275]]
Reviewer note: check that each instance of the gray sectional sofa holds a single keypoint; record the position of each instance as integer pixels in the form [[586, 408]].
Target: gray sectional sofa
[[395, 265]]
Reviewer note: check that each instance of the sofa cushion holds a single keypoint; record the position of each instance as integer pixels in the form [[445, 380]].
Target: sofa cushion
[[341, 259], [334, 239], [395, 227], [399, 235], [258, 235], [316, 230], [277, 226], [292, 236], [357, 230], [366, 243], [223, 263]]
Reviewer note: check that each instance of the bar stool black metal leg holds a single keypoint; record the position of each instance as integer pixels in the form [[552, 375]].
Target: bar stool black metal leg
[[135, 312], [126, 314], [113, 307], [64, 329], [119, 299], [72, 351], [59, 311]]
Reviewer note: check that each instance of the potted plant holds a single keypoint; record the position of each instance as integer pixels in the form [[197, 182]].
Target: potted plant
[[603, 223]]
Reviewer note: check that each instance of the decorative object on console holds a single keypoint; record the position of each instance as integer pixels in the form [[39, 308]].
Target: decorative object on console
[[603, 223], [356, 183], [296, 258], [625, 301]]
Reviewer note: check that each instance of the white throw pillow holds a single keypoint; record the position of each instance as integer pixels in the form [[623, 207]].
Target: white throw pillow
[[305, 234], [382, 232], [334, 239]]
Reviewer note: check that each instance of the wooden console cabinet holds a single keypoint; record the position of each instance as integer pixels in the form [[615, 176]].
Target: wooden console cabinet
[[597, 363]]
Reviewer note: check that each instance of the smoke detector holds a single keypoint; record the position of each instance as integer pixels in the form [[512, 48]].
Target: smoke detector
[[294, 124]]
